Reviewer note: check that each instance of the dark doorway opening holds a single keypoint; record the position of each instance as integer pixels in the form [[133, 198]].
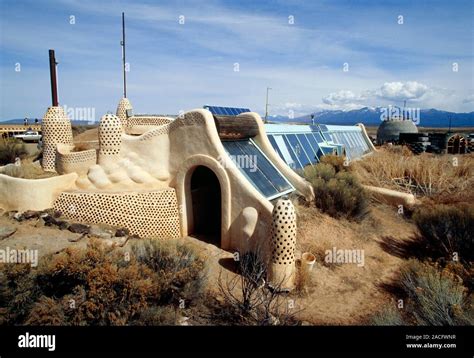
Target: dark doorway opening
[[206, 203]]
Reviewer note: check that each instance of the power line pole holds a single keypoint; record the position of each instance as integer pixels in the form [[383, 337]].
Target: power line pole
[[266, 106], [122, 43]]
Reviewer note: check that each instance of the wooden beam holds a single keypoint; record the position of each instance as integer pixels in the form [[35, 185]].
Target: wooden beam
[[233, 127]]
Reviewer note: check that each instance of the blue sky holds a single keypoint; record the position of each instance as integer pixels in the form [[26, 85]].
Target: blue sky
[[180, 66]]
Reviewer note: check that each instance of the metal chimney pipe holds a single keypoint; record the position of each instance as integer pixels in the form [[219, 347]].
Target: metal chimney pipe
[[52, 71]]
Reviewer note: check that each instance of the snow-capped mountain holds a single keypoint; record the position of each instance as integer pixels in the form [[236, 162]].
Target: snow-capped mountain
[[371, 116]]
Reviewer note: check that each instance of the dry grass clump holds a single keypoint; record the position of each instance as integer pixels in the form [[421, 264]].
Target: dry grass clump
[[10, 149], [26, 170], [100, 286], [429, 175]]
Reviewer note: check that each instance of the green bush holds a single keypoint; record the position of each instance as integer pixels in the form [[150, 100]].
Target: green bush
[[99, 286], [338, 194], [10, 149], [448, 230], [437, 297]]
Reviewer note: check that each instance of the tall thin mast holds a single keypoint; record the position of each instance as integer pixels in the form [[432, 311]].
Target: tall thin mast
[[266, 106], [52, 73], [123, 57]]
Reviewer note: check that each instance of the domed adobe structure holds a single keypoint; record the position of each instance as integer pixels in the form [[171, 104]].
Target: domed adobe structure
[[389, 130]]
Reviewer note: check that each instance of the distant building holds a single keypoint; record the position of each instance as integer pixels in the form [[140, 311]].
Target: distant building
[[389, 130]]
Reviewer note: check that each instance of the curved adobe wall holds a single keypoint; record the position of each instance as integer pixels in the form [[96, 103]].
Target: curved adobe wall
[[32, 194], [137, 125], [74, 162]]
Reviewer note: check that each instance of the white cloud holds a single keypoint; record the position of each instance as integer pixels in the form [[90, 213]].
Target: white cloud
[[400, 91], [342, 97], [469, 99]]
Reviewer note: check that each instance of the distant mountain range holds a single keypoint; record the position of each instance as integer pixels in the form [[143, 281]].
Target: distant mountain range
[[369, 116], [372, 117]]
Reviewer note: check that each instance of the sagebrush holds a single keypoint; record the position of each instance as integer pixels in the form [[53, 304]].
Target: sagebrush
[[447, 231], [337, 193], [100, 286], [10, 149]]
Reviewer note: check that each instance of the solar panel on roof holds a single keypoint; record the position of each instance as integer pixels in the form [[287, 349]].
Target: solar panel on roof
[[226, 111]]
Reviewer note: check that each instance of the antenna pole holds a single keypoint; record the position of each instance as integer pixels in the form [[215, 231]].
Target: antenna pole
[[123, 57], [266, 106], [52, 72]]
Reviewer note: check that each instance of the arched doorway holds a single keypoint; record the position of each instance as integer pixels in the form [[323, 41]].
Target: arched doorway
[[456, 144], [206, 205]]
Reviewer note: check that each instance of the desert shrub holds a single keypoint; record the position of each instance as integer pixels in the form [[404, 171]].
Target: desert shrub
[[437, 297], [10, 149], [337, 162], [98, 286], [389, 316], [337, 194], [322, 171], [181, 272], [113, 290], [157, 316], [46, 312], [17, 292], [447, 230], [248, 300]]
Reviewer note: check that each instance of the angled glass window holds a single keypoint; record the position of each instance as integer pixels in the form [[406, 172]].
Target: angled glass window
[[314, 145], [287, 152], [326, 136], [318, 137], [274, 144], [298, 149], [310, 153], [256, 167]]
